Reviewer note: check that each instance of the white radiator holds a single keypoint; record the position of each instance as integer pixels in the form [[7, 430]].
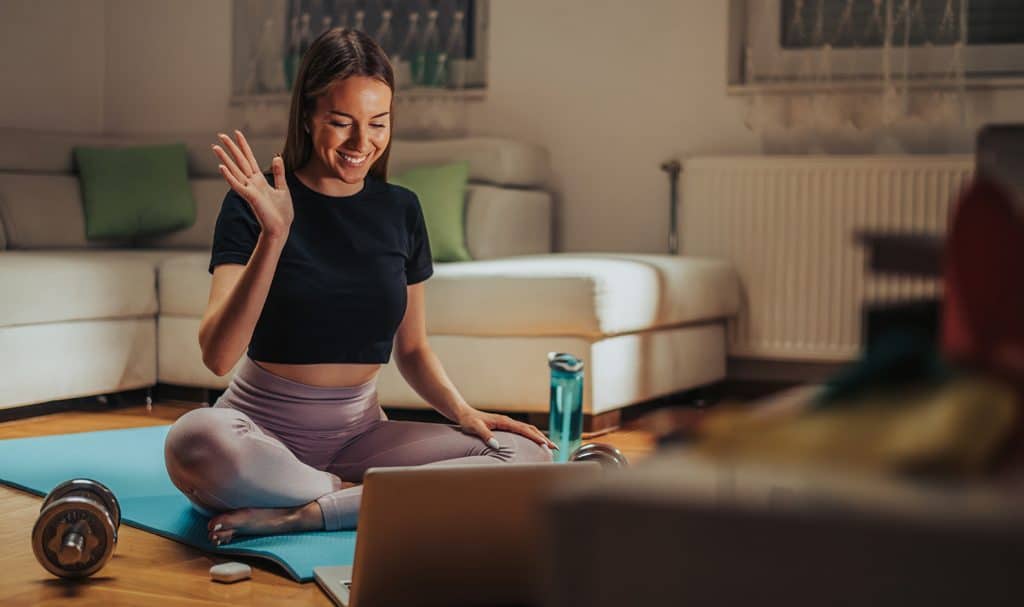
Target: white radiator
[[787, 224]]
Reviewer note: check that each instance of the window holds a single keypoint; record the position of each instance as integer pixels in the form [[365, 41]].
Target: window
[[841, 42], [847, 23]]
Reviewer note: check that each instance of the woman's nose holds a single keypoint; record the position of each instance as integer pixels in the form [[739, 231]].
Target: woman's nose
[[360, 139]]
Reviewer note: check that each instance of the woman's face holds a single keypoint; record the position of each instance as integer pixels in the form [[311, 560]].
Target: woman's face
[[351, 127]]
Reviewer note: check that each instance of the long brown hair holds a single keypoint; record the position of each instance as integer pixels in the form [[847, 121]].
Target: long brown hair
[[335, 55]]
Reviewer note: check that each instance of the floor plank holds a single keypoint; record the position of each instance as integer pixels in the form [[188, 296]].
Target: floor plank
[[147, 569]]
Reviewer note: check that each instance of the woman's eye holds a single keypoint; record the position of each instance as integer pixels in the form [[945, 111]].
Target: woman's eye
[[379, 126], [340, 124]]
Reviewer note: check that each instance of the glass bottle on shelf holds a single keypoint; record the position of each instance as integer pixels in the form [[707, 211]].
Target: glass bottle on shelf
[[268, 50], [455, 50], [385, 37], [404, 70], [359, 20], [431, 48], [305, 35]]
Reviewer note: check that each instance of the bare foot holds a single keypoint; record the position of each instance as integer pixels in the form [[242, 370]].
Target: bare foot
[[265, 521]]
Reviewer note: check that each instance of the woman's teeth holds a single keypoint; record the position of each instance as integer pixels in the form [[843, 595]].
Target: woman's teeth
[[354, 160]]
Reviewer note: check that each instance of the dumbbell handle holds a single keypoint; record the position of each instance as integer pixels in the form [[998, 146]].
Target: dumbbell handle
[[72, 546]]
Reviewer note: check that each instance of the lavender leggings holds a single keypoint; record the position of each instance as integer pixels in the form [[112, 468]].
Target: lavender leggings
[[270, 442]]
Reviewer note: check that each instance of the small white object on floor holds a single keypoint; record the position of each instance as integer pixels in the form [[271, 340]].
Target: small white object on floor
[[230, 572]]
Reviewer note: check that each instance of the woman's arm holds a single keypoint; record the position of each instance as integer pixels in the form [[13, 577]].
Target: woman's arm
[[238, 292], [237, 295], [420, 367]]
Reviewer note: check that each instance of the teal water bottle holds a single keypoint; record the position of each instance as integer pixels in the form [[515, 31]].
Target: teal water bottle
[[565, 425]]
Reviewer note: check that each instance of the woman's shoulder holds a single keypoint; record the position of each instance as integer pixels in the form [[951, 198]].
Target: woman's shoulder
[[402, 197], [399, 193]]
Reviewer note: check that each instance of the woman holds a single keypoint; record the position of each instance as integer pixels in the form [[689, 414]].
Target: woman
[[318, 270]]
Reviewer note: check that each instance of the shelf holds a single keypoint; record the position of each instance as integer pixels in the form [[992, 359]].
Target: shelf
[[284, 98], [874, 85]]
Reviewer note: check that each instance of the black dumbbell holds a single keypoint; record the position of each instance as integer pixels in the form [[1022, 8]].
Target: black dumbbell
[[602, 453], [76, 531]]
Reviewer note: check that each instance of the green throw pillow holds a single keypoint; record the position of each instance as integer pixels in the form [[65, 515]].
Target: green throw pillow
[[442, 194], [134, 191]]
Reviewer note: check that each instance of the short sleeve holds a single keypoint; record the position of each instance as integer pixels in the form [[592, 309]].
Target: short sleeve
[[418, 266], [236, 232]]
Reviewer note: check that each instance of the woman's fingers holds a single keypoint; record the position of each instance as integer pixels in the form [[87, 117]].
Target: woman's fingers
[[240, 159], [527, 430], [229, 164], [244, 144], [277, 168], [540, 438], [232, 181]]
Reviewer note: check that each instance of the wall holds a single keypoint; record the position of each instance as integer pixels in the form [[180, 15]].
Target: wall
[[53, 65], [168, 66], [115, 66], [612, 89]]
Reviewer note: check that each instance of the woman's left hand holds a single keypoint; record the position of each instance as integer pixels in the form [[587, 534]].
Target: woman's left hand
[[481, 424]]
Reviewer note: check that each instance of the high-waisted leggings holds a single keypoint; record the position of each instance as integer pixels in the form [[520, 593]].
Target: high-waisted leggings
[[270, 442]]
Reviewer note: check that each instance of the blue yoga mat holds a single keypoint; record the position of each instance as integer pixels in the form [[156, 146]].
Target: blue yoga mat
[[131, 463]]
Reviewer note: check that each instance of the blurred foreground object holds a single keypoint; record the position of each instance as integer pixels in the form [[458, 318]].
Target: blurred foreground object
[[983, 320], [677, 529], [983, 324], [953, 429]]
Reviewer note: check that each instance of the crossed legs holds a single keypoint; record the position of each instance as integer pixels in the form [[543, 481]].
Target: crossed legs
[[251, 483]]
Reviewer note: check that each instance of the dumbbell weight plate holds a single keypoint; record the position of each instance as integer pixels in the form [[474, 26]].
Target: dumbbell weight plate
[[88, 488], [602, 453], [76, 514]]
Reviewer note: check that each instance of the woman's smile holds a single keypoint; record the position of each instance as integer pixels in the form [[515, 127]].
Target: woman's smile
[[355, 160]]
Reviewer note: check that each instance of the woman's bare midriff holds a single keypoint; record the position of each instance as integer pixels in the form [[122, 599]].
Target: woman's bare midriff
[[328, 375]]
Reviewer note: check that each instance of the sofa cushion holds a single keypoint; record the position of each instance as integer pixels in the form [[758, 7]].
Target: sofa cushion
[[580, 294], [209, 196], [584, 294], [183, 284], [502, 222], [442, 194], [54, 286], [135, 191], [31, 205]]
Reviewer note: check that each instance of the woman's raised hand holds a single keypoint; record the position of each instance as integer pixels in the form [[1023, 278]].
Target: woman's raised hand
[[272, 204]]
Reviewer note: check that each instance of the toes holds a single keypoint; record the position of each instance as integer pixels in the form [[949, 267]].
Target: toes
[[221, 537], [217, 522]]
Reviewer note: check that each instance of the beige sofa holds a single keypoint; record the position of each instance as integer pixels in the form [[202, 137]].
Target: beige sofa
[[79, 318]]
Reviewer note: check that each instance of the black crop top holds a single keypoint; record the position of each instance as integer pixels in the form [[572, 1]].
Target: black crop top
[[339, 291]]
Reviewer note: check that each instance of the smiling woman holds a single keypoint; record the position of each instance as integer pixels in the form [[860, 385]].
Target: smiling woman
[[318, 269], [349, 131], [342, 103]]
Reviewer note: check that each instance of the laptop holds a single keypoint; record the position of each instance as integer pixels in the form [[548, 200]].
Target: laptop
[[450, 535]]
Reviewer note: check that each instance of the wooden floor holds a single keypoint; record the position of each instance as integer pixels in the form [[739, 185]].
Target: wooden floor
[[147, 569]]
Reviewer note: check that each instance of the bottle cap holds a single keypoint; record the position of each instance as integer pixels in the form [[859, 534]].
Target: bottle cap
[[564, 362]]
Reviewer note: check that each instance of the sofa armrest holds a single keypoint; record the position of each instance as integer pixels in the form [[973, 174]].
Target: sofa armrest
[[503, 222]]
